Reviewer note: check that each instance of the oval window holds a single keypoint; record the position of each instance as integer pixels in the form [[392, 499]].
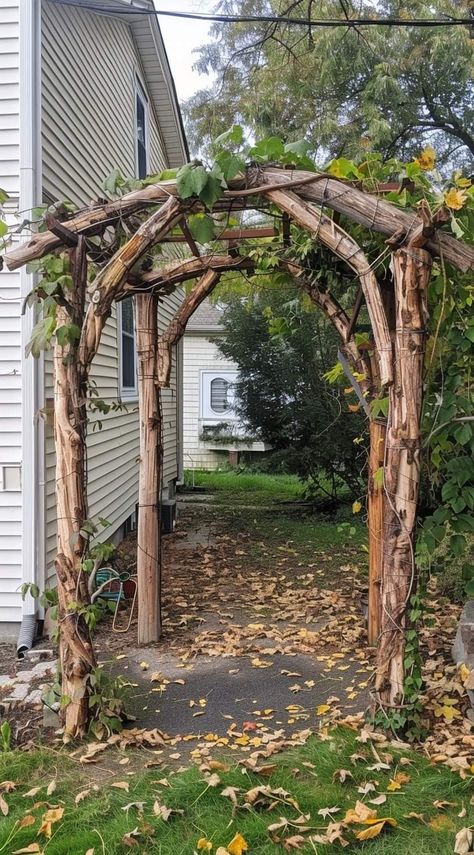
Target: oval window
[[220, 395]]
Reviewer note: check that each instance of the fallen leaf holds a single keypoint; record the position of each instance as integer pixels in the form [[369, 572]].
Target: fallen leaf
[[51, 787], [341, 775], [463, 842], [204, 843], [121, 785], [322, 709], [237, 845], [48, 819], [375, 826], [3, 806], [379, 800], [397, 781], [33, 847], [31, 793], [26, 821], [359, 813], [442, 823], [325, 812]]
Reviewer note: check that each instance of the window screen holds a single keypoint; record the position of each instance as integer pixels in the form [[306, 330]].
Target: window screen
[[141, 136], [128, 357], [220, 395]]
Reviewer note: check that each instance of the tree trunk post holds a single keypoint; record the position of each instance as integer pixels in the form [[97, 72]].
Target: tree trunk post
[[377, 431], [149, 517], [411, 271], [75, 647]]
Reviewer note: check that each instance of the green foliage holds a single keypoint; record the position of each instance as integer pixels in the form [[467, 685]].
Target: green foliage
[[202, 228], [282, 347], [388, 89], [107, 700], [5, 736]]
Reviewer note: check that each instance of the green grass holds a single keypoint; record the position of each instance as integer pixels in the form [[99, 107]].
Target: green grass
[[253, 488], [99, 821]]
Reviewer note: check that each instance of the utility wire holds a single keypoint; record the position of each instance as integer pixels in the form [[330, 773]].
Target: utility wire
[[297, 22]]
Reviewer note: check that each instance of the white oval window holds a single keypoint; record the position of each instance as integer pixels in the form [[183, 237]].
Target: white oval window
[[220, 395]]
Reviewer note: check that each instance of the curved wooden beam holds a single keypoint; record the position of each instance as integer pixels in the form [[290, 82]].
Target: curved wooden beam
[[177, 326], [341, 244], [364, 208]]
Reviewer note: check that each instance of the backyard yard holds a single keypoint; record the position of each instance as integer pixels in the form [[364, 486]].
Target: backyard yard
[[249, 726]]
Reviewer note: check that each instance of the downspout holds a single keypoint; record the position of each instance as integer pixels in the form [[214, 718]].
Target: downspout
[[32, 370]]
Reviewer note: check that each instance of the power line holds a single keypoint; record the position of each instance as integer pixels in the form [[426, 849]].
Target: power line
[[275, 19]]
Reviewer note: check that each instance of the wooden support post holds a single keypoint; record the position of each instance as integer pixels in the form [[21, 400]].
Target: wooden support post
[[149, 488], [75, 647], [377, 431], [411, 269]]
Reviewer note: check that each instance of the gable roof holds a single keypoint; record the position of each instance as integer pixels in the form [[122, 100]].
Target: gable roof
[[206, 319], [156, 68]]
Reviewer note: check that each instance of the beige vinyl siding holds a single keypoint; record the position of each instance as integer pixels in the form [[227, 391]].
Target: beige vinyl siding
[[89, 64], [10, 307], [199, 353]]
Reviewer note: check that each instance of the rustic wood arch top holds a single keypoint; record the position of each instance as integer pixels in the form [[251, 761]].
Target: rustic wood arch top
[[399, 344]]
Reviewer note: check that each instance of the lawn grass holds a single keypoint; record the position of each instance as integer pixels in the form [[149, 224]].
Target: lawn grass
[[307, 772], [243, 487]]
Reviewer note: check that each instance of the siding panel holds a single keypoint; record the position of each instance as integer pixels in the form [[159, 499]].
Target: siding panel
[[10, 307], [87, 131]]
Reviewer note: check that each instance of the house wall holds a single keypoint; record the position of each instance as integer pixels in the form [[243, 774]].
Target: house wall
[[199, 353], [10, 307], [89, 64]]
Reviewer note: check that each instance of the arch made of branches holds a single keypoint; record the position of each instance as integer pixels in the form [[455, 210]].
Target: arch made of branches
[[398, 320]]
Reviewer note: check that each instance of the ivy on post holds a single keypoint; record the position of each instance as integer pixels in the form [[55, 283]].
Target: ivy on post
[[77, 656]]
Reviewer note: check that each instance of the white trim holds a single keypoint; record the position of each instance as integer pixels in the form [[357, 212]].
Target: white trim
[[32, 370], [206, 413], [140, 91], [126, 393]]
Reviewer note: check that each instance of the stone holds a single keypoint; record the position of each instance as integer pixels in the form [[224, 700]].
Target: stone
[[50, 717], [463, 647], [43, 668], [18, 693], [24, 676], [5, 680], [34, 697]]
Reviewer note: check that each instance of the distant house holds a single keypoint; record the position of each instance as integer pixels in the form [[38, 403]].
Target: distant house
[[212, 433], [82, 92]]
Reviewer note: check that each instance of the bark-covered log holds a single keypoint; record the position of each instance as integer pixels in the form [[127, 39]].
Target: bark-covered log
[[411, 269], [177, 326], [346, 248], [150, 467], [368, 209], [375, 517], [75, 647]]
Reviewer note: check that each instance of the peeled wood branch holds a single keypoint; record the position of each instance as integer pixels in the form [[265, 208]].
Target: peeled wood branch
[[369, 210], [342, 245], [177, 326], [173, 274]]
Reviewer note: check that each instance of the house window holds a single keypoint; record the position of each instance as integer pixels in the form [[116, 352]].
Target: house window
[[218, 395], [141, 108], [128, 352]]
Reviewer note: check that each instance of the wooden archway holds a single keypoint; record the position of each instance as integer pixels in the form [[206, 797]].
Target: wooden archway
[[399, 334]]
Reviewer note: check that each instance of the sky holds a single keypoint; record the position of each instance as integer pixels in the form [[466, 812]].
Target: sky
[[181, 36]]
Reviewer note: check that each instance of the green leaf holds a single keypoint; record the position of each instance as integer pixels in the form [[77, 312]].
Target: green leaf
[[378, 477], [271, 148], [470, 588], [191, 180], [343, 168], [3, 196], [166, 175], [458, 544], [202, 228], [234, 135], [300, 147], [3, 228], [67, 334], [229, 164], [469, 333], [41, 336], [211, 192]]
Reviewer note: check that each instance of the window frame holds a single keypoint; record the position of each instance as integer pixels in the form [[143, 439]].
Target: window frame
[[206, 413], [126, 393], [140, 93]]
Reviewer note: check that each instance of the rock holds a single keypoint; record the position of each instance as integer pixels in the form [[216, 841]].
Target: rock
[[24, 676], [463, 647], [34, 697], [43, 668], [6, 680], [50, 717], [18, 693]]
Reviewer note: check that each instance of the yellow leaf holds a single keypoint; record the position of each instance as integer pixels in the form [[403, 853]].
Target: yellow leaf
[[323, 708], [426, 159], [360, 813], [237, 845], [397, 781], [51, 816], [356, 507], [442, 823], [371, 831], [447, 711], [26, 821], [455, 199], [204, 843]]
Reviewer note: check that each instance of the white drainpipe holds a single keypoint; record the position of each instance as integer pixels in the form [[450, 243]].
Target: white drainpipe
[[32, 370]]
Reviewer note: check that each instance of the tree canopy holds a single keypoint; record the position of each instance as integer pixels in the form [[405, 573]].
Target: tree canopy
[[346, 91]]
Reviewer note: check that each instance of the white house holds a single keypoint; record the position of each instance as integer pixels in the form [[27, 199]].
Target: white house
[[82, 91], [212, 433]]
